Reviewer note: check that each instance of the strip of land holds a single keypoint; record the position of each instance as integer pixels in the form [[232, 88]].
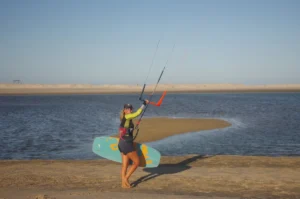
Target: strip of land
[[153, 129], [25, 89]]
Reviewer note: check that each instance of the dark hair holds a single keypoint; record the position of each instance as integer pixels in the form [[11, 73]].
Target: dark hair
[[128, 106]]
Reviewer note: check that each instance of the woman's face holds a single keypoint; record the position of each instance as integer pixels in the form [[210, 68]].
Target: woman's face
[[127, 110]]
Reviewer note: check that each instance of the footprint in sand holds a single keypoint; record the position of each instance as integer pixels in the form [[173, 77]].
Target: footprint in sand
[[43, 197]]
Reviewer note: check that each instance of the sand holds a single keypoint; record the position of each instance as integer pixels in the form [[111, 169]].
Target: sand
[[176, 177], [13, 89], [191, 176]]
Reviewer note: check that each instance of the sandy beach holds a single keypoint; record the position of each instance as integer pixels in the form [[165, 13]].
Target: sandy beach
[[176, 177], [191, 176], [16, 89]]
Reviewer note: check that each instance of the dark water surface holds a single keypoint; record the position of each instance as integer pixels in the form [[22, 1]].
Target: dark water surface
[[64, 126]]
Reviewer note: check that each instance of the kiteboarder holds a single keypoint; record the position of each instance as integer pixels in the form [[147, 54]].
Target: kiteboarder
[[125, 144]]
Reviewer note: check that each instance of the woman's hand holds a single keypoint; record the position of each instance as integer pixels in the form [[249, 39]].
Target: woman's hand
[[146, 101]]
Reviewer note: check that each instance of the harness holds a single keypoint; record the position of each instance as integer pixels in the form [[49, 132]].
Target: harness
[[126, 133]]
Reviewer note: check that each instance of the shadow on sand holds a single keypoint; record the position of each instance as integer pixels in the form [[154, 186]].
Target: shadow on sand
[[165, 169]]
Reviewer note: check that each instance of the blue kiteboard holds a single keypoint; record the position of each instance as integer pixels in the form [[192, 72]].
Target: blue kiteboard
[[107, 147]]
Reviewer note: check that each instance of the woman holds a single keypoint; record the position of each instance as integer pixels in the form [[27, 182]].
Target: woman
[[125, 144]]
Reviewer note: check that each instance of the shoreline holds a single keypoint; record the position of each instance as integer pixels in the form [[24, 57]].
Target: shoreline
[[185, 176], [189, 176], [64, 89]]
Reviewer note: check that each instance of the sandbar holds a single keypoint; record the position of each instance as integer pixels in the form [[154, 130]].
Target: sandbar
[[153, 129]]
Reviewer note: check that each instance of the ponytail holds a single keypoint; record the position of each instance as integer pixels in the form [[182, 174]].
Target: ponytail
[[122, 115]]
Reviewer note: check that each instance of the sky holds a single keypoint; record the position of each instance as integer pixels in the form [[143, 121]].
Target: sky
[[114, 42]]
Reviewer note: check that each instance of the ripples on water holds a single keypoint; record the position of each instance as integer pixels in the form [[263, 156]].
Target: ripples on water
[[58, 127]]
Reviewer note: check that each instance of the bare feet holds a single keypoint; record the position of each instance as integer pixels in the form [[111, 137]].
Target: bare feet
[[125, 183], [125, 186]]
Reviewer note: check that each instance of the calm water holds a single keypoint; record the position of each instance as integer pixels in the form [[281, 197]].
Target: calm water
[[58, 127]]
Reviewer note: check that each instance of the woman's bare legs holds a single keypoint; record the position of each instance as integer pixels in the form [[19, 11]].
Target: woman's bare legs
[[136, 161], [125, 163]]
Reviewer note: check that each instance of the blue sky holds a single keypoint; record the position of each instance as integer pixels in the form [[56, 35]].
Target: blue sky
[[113, 42]]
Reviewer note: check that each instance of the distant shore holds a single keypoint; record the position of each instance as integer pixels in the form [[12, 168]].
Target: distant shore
[[25, 89]]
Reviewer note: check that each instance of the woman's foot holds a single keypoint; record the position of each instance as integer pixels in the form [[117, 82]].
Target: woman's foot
[[125, 183]]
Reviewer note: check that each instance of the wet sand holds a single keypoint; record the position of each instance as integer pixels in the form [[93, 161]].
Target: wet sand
[[29, 89], [176, 177]]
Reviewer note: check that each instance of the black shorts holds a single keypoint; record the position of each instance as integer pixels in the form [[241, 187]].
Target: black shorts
[[125, 146]]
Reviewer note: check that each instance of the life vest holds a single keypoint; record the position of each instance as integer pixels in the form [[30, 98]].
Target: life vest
[[126, 133]]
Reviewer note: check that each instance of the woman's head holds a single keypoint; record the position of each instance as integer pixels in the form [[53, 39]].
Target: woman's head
[[127, 108]]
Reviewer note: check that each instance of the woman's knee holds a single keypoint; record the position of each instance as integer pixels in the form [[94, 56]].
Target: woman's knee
[[134, 158], [136, 161]]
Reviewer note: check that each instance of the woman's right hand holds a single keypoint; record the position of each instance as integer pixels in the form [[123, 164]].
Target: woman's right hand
[[146, 101]]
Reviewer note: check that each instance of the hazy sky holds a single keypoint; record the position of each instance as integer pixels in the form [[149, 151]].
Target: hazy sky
[[113, 42]]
